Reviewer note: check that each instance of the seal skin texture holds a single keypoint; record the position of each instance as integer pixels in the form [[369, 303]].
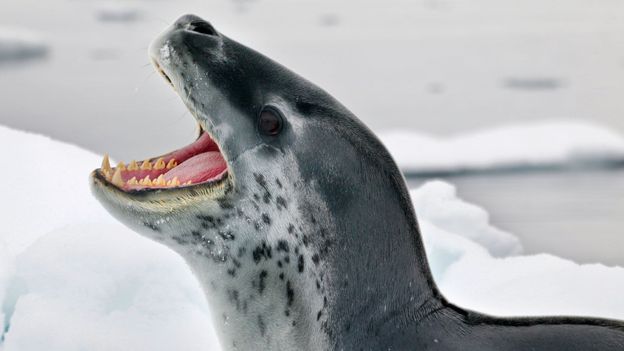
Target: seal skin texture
[[308, 241]]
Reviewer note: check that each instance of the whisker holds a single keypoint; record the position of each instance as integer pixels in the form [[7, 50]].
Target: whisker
[[150, 75]]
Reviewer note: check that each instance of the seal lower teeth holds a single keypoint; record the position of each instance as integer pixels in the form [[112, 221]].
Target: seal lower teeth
[[196, 163]]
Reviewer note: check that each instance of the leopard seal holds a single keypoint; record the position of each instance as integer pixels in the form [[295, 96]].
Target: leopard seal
[[296, 220]]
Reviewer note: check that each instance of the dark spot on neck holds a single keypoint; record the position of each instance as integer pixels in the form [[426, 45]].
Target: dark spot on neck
[[300, 264], [262, 251], [316, 259], [260, 179], [290, 293], [280, 202], [262, 281], [282, 245], [261, 325]]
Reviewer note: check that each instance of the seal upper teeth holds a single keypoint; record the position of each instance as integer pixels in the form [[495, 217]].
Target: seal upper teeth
[[160, 164], [106, 168], [133, 166], [116, 175], [172, 163]]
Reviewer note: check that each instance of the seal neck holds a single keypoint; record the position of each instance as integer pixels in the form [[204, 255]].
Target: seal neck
[[377, 278]]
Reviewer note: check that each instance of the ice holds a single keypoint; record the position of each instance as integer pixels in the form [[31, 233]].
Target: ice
[[19, 45], [103, 287], [72, 278], [438, 204], [550, 144]]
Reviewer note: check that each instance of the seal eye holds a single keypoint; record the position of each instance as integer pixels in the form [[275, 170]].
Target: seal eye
[[270, 122]]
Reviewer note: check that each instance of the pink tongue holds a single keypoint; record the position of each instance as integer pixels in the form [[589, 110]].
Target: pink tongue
[[198, 168]]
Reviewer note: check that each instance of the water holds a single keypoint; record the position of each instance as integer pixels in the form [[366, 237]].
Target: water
[[578, 215], [442, 66]]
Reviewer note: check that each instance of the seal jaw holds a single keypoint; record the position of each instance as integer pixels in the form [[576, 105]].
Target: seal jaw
[[154, 200]]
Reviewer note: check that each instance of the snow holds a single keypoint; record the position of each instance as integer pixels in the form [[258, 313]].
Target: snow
[[547, 144], [72, 278], [19, 45]]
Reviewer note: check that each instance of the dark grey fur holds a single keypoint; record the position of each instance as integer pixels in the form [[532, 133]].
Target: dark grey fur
[[312, 242]]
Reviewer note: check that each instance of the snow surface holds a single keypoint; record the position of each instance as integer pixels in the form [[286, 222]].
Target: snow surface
[[72, 278], [560, 144], [19, 45]]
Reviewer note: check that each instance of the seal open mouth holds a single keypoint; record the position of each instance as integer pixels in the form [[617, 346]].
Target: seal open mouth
[[197, 163]]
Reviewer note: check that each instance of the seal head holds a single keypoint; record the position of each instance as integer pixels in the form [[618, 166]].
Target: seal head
[[295, 218]]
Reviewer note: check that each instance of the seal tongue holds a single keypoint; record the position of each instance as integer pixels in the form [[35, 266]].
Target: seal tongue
[[198, 168], [203, 144]]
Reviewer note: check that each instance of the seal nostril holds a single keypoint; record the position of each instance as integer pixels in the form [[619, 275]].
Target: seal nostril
[[202, 27]]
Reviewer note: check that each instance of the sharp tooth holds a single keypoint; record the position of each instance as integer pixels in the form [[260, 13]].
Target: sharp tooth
[[172, 163], [174, 182], [146, 181], [133, 166], [146, 165], [106, 164], [160, 164], [160, 181], [121, 166], [133, 181], [117, 180]]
